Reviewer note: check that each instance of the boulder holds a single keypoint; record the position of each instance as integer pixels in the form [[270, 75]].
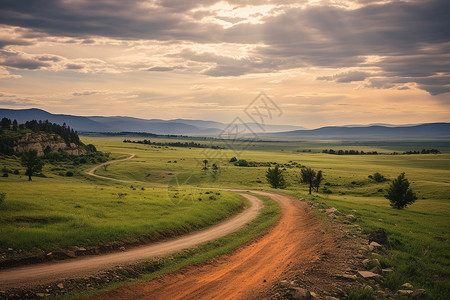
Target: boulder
[[404, 292], [377, 270], [300, 294], [369, 261], [378, 236], [330, 210], [373, 246], [351, 218], [348, 277], [407, 286], [368, 275], [418, 293]]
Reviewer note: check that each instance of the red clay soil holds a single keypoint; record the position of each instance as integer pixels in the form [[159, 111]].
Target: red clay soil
[[247, 272]]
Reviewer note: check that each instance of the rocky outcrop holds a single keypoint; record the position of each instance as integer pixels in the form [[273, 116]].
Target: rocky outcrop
[[40, 141]]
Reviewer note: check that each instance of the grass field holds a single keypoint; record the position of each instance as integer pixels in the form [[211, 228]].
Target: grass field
[[82, 209], [57, 211], [419, 237]]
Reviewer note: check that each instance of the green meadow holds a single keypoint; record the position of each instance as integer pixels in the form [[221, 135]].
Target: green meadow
[[418, 250], [169, 193], [56, 211]]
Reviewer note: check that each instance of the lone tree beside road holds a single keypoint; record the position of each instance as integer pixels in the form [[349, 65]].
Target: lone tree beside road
[[32, 162], [399, 193], [310, 177], [317, 180], [275, 178]]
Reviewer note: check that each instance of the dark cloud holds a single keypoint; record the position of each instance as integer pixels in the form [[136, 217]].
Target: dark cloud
[[163, 69], [52, 58], [20, 61], [411, 38], [74, 66], [13, 41], [346, 77], [16, 102], [133, 19], [85, 93]]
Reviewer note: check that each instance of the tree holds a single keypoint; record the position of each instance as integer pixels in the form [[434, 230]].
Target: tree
[[399, 192], [32, 162], [317, 180], [308, 176], [5, 123], [205, 162], [275, 178], [233, 159]]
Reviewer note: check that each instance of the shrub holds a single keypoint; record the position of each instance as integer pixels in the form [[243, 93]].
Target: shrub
[[377, 177], [16, 172], [69, 173], [233, 159], [241, 163], [399, 193], [5, 175], [275, 178]]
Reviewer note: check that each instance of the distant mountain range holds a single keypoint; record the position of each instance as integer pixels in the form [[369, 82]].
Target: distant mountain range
[[374, 132], [129, 124], [212, 128]]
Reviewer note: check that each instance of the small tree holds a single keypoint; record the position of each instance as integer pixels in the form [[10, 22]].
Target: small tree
[[317, 180], [308, 177], [399, 193], [32, 162], [205, 162], [275, 178], [233, 159]]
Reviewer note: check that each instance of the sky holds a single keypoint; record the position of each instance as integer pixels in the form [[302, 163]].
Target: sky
[[332, 62]]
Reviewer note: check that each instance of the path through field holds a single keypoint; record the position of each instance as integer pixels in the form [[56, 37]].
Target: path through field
[[247, 272], [28, 276]]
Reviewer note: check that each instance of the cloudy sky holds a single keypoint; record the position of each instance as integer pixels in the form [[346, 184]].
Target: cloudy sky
[[330, 62]]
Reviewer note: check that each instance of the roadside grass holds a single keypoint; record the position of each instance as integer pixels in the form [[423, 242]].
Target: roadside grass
[[269, 214], [59, 212], [419, 247], [418, 250]]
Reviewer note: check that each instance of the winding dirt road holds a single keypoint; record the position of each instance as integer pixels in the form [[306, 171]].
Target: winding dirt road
[[248, 272], [92, 170], [28, 276], [39, 274]]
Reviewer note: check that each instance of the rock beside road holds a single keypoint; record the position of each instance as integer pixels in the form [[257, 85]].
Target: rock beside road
[[379, 236]]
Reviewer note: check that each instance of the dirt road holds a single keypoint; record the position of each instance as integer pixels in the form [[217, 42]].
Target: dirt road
[[44, 273], [248, 271], [92, 170]]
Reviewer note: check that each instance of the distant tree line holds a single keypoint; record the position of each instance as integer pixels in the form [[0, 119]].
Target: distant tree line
[[424, 151], [356, 152], [349, 152], [174, 144]]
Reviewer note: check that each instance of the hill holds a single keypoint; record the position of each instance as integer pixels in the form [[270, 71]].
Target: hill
[[130, 124], [423, 131]]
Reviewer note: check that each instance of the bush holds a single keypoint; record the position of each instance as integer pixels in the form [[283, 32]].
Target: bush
[[275, 178], [233, 159], [241, 163], [69, 173], [377, 177], [399, 193], [5, 175], [16, 172]]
